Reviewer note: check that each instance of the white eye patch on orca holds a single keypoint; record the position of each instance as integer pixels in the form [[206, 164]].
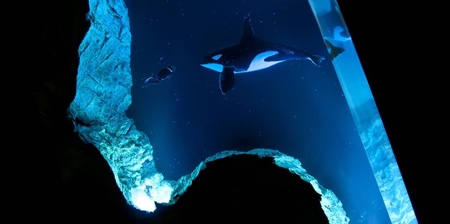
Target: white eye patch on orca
[[216, 57], [214, 66]]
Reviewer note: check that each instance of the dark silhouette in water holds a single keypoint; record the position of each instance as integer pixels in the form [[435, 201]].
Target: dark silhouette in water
[[334, 50], [163, 75], [245, 189]]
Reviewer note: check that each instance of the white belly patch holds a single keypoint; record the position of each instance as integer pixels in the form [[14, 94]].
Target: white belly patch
[[258, 62]]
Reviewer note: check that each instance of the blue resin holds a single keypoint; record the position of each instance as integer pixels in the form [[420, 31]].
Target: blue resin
[[326, 118]]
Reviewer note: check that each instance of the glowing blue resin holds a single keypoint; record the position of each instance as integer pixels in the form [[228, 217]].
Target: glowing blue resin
[[103, 95]]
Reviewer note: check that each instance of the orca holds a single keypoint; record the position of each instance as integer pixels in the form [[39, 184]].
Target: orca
[[163, 75], [251, 54]]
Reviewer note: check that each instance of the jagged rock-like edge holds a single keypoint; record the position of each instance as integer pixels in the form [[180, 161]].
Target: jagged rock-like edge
[[331, 205], [103, 94], [98, 112]]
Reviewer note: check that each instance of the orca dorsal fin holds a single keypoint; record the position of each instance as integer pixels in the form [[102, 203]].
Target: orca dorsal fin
[[247, 33]]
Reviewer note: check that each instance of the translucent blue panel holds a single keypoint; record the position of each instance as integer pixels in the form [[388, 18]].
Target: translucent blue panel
[[165, 86]]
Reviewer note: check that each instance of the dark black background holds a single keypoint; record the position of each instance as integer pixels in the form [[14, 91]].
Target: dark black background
[[390, 39]]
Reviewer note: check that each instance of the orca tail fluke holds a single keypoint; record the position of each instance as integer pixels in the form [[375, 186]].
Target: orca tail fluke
[[226, 80], [334, 50], [316, 59]]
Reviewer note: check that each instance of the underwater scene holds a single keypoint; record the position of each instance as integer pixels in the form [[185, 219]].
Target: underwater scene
[[165, 86]]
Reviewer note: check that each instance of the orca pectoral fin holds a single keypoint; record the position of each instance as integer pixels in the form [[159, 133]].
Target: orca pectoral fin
[[226, 79]]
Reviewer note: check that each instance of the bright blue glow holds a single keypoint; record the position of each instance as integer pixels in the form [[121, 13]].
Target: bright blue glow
[[153, 190], [141, 200], [103, 95], [365, 113], [340, 34]]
